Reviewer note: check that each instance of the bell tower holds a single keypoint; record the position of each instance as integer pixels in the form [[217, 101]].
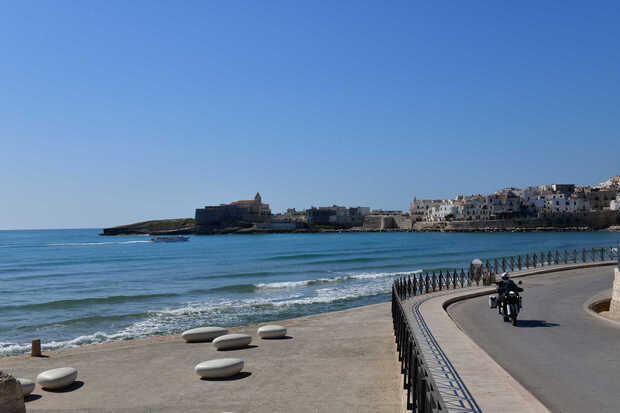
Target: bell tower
[[258, 199]]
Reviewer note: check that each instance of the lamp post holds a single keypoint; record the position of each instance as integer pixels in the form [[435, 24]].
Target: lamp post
[[476, 270]]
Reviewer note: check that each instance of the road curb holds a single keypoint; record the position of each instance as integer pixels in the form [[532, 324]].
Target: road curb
[[598, 299]]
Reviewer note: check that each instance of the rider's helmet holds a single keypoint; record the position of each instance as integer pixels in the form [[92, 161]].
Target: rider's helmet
[[505, 276]]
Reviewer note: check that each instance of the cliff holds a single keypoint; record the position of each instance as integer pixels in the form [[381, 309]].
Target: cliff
[[156, 227]]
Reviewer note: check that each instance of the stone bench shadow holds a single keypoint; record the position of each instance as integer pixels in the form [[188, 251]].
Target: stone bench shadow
[[278, 338], [239, 376], [32, 397], [72, 387], [535, 323], [251, 346]]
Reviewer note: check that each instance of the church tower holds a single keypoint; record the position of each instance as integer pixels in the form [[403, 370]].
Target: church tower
[[258, 199]]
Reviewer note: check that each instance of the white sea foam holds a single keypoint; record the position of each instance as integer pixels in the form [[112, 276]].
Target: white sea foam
[[277, 299], [66, 244], [353, 276]]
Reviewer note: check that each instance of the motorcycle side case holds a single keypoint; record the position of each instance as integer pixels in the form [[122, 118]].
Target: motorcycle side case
[[492, 301]]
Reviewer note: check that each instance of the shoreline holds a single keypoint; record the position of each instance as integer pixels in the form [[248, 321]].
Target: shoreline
[[338, 361], [352, 230], [175, 337]]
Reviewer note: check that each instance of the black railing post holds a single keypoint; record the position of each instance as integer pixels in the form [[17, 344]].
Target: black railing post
[[440, 280]]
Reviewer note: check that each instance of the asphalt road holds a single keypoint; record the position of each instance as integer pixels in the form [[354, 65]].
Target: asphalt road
[[567, 358]]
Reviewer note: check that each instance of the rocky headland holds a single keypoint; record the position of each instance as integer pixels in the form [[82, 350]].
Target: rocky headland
[[156, 227]]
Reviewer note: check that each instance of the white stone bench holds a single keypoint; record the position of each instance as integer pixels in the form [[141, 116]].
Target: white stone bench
[[57, 378], [272, 331], [219, 368], [230, 341], [201, 334], [27, 386]]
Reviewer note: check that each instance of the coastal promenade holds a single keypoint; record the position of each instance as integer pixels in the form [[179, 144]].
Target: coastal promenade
[[564, 356], [448, 366], [340, 361]]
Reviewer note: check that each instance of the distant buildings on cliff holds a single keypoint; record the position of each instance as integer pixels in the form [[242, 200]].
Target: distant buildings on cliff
[[532, 201], [244, 213], [256, 214], [529, 202]]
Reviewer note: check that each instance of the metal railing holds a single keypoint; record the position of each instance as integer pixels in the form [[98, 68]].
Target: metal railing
[[428, 282], [422, 393]]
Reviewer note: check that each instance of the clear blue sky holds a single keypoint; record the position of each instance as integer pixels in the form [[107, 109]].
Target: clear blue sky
[[117, 111]]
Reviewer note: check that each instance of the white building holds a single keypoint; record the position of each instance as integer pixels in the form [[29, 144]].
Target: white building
[[419, 208], [447, 209], [559, 203]]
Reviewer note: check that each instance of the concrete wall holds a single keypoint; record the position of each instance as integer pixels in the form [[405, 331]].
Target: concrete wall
[[279, 226], [210, 218], [385, 222], [614, 306]]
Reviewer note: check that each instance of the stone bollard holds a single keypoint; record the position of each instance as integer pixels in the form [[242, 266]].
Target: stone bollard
[[11, 396], [614, 306], [36, 348]]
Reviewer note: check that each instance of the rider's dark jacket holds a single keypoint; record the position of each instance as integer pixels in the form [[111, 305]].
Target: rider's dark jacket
[[503, 287]]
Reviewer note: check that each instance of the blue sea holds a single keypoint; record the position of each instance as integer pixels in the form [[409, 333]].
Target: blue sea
[[73, 287]]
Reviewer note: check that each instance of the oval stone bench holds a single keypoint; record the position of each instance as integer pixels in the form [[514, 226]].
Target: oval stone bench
[[57, 378], [229, 341], [219, 368], [196, 335], [27, 386], [272, 331]]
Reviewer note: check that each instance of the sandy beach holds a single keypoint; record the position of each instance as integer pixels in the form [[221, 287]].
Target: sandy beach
[[338, 361]]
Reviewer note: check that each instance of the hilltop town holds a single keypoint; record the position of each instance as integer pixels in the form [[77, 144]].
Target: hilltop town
[[534, 208]]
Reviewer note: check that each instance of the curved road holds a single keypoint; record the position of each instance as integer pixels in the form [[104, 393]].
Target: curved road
[[567, 358]]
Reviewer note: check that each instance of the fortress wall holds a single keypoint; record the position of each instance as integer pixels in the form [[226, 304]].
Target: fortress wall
[[372, 222], [381, 222]]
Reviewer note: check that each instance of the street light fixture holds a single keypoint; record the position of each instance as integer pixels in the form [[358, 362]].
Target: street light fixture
[[476, 270]]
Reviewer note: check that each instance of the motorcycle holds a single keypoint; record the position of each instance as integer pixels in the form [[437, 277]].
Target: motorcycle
[[508, 305]]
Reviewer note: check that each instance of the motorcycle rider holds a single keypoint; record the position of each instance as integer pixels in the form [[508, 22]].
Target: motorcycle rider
[[503, 288]]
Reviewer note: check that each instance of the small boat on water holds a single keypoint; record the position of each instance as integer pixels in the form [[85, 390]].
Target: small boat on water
[[175, 238]]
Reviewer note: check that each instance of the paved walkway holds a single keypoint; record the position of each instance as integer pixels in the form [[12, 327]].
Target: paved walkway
[[569, 359], [336, 362], [470, 380]]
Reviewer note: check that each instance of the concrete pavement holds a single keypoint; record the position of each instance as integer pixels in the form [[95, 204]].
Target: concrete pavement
[[342, 361], [568, 359], [465, 368]]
